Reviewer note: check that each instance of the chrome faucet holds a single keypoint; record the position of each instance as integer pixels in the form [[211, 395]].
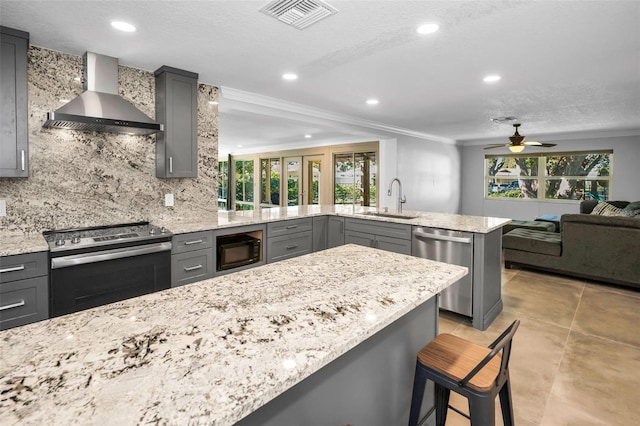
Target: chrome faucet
[[401, 198]]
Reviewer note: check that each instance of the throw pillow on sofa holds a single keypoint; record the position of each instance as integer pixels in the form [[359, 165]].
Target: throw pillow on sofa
[[632, 210], [606, 209]]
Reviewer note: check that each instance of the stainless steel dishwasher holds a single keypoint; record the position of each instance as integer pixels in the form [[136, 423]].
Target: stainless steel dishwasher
[[453, 247]]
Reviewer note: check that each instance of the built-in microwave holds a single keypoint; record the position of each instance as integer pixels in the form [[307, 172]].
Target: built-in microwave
[[237, 250]]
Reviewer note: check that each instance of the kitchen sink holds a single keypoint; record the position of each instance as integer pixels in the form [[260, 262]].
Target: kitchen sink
[[391, 215]]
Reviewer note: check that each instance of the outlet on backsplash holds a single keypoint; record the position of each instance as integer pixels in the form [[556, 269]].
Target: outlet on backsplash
[[3, 208], [168, 200]]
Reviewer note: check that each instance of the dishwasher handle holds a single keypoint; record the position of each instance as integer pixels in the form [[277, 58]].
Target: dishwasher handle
[[463, 240]]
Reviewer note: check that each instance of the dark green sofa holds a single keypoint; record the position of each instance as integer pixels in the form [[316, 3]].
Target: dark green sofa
[[603, 248]]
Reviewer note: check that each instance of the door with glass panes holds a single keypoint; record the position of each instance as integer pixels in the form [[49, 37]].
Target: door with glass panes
[[303, 180]]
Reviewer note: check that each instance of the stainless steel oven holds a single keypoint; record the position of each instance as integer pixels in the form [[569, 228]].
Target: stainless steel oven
[[95, 266], [237, 250]]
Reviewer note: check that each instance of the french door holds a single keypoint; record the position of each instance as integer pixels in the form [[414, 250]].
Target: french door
[[302, 180]]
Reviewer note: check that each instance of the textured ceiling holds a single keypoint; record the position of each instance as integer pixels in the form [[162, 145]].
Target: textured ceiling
[[566, 66]]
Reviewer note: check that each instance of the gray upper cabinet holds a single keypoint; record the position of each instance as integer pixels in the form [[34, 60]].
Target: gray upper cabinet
[[177, 110], [14, 139]]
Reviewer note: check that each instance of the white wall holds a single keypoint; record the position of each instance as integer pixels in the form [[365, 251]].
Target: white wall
[[430, 175], [387, 169], [625, 184]]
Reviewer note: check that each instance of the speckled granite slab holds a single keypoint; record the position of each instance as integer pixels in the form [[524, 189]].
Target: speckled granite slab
[[202, 220], [210, 352], [11, 244], [456, 222]]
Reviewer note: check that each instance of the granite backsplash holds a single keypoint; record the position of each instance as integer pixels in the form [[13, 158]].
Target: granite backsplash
[[86, 178]]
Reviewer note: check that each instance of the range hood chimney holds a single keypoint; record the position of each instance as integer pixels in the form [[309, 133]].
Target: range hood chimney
[[99, 108]]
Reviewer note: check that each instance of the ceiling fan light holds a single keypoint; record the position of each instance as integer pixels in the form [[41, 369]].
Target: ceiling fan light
[[516, 148]]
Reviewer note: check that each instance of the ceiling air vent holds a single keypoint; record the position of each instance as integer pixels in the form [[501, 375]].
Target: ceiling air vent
[[299, 13]]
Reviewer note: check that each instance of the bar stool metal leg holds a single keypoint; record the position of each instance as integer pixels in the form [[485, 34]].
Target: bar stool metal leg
[[442, 404], [419, 383], [482, 411], [505, 404]]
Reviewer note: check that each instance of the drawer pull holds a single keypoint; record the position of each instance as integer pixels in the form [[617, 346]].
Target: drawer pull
[[291, 227], [13, 305], [188, 243], [192, 268], [13, 269], [291, 247]]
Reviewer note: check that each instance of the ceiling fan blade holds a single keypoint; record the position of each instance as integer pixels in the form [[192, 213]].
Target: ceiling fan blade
[[532, 143], [547, 145], [499, 145]]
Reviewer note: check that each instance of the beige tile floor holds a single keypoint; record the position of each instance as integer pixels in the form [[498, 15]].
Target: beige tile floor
[[576, 356]]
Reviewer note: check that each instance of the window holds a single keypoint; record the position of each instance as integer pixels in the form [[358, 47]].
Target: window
[[223, 184], [557, 176], [270, 182], [294, 177], [355, 178], [244, 184]]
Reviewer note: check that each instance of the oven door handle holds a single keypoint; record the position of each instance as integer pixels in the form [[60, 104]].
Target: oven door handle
[[102, 256]]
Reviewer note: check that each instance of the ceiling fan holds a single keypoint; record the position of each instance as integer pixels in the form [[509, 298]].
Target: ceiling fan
[[517, 142]]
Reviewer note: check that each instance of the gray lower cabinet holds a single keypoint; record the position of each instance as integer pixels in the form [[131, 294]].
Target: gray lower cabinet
[[192, 258], [328, 232], [335, 236], [24, 289], [14, 137], [394, 237], [289, 238], [320, 232], [177, 110]]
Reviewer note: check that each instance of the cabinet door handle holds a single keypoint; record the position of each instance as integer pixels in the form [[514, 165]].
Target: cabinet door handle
[[22, 159], [291, 247], [188, 243], [12, 269], [192, 268], [291, 226], [13, 305], [170, 164]]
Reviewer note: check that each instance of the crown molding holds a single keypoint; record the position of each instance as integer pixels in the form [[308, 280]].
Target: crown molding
[[554, 137], [242, 97]]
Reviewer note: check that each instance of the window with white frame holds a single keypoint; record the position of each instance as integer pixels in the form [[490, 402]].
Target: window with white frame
[[549, 176]]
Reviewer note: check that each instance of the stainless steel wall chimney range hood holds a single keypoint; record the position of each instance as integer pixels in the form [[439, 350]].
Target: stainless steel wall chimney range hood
[[99, 108]]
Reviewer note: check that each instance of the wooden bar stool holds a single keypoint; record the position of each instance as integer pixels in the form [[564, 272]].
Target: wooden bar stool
[[476, 372]]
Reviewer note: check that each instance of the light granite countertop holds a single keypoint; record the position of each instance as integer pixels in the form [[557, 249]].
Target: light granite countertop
[[210, 352], [11, 244], [456, 222], [27, 243]]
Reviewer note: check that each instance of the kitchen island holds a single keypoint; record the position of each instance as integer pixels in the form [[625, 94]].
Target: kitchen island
[[215, 351]]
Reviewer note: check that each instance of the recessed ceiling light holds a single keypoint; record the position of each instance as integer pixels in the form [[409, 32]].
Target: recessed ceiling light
[[372, 102], [123, 26], [491, 78], [290, 76], [427, 28], [307, 136]]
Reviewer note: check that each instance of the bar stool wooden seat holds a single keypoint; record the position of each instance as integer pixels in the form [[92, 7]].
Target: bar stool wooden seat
[[476, 372]]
